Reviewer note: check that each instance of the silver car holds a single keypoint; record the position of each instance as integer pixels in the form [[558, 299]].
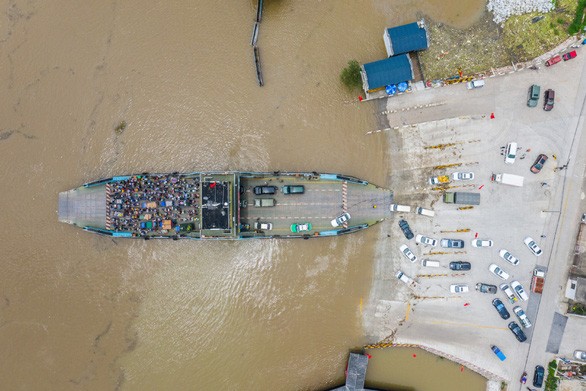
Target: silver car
[[507, 256], [522, 317], [427, 241], [532, 246], [408, 253]]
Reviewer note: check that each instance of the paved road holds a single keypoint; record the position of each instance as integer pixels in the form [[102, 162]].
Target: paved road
[[460, 120]]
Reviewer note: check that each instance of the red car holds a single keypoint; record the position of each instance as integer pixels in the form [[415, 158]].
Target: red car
[[539, 162], [553, 60], [569, 55]]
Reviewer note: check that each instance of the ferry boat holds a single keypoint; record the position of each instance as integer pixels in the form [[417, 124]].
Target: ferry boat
[[225, 205]]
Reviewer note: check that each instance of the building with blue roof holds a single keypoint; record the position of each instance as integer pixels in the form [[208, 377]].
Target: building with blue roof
[[407, 38], [393, 70]]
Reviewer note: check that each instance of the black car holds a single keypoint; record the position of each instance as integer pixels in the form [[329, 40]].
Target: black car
[[516, 329], [459, 265], [549, 100], [539, 162], [486, 288], [538, 376], [406, 229], [502, 310], [259, 190]]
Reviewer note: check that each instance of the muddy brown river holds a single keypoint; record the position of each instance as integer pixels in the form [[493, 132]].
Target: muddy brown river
[[79, 311]]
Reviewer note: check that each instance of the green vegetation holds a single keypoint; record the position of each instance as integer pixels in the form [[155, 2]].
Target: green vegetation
[[551, 384], [578, 309], [120, 128], [350, 76], [486, 46], [579, 21]]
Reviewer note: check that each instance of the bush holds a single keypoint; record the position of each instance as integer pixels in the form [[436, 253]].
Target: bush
[[551, 383], [350, 76], [578, 21]]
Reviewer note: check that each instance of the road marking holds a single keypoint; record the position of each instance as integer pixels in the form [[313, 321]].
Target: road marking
[[479, 326], [407, 311]]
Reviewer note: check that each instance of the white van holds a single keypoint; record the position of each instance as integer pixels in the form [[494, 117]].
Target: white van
[[511, 153], [400, 208], [430, 263], [425, 212]]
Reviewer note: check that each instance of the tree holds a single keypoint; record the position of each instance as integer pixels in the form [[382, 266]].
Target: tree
[[350, 76]]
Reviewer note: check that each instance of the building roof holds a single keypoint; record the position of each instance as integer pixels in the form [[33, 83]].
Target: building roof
[[407, 38], [392, 70]]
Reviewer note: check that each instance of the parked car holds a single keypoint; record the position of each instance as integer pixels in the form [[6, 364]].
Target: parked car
[[486, 288], [497, 271], [408, 253], [263, 226], [517, 332], [569, 55], [538, 376], [404, 225], [458, 288], [475, 84], [522, 317], [427, 241], [259, 190], [533, 97], [509, 293], [511, 153], [463, 176], [452, 243], [340, 220], [580, 355], [501, 309], [498, 353], [482, 243], [507, 256], [301, 227], [552, 61], [549, 100], [459, 265], [532, 246], [293, 189], [518, 288], [539, 162]]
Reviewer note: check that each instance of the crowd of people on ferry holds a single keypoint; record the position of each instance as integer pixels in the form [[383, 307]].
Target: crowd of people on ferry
[[146, 203]]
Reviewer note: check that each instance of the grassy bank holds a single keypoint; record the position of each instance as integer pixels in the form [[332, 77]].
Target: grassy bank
[[486, 45]]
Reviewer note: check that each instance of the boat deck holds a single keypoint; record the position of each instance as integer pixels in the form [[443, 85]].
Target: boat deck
[[83, 207], [323, 201]]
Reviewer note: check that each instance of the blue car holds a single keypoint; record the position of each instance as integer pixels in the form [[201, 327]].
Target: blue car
[[498, 353]]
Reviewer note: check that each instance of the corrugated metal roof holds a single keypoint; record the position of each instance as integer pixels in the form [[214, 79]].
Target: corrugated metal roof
[[392, 70], [408, 38]]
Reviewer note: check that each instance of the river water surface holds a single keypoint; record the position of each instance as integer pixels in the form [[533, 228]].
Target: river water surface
[[80, 311]]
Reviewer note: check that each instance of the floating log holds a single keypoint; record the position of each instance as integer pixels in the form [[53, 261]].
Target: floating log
[[254, 35], [258, 68], [259, 11]]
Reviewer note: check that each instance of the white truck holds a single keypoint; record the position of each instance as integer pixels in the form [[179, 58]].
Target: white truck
[[508, 179], [406, 279]]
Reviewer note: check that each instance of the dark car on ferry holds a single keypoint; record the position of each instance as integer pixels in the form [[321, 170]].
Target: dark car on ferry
[[260, 190], [539, 162]]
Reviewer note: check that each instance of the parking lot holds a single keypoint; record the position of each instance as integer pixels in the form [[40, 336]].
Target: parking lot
[[466, 130]]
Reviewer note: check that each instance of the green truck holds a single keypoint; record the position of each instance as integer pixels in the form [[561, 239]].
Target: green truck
[[461, 197]]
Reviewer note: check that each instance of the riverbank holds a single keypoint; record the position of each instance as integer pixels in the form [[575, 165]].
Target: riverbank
[[487, 45]]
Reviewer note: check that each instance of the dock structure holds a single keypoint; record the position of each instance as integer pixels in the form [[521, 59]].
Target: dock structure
[[257, 65], [355, 373], [225, 205]]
